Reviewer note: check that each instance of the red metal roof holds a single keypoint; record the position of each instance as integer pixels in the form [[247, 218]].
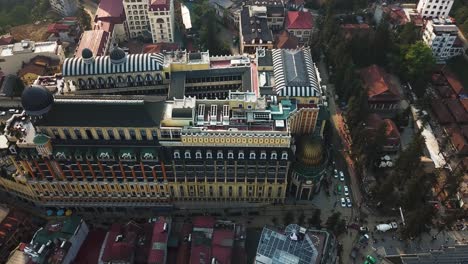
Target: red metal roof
[[57, 27], [378, 83], [159, 47], [286, 41], [5, 40], [121, 249], [299, 20], [158, 247], [223, 241], [110, 8], [200, 254], [464, 102], [89, 251], [159, 5], [457, 110], [441, 112], [95, 40], [204, 222]]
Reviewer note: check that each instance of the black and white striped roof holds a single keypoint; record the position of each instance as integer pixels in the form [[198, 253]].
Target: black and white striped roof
[[103, 65], [294, 73]]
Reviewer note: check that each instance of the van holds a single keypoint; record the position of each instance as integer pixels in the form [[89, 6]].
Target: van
[[338, 189]]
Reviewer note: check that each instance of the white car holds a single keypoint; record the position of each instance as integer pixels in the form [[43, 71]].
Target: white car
[[341, 176], [2, 113], [348, 202], [336, 173], [346, 190], [343, 202]]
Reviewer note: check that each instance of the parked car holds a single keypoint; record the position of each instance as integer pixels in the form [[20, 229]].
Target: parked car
[[11, 110], [346, 190], [343, 202], [341, 176], [348, 202], [370, 260], [336, 173], [364, 229], [2, 113]]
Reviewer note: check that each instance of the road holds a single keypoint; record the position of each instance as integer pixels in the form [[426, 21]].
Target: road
[[90, 7]]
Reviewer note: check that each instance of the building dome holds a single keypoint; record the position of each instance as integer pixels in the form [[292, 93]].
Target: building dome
[[36, 100], [310, 151], [117, 55], [86, 53]]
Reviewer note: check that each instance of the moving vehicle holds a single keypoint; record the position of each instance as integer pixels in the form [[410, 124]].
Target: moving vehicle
[[386, 227], [341, 176], [348, 202], [370, 260], [346, 190], [343, 202]]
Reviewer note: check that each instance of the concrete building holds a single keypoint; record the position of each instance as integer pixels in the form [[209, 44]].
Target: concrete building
[[150, 18], [13, 56], [441, 35], [434, 8], [64, 7], [110, 17], [96, 41], [58, 242], [254, 29]]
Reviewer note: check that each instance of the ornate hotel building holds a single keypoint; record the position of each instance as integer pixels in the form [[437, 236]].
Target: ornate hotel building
[[150, 18], [216, 132]]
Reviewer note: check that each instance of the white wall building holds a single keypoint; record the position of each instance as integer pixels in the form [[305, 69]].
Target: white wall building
[[441, 36], [14, 55], [153, 18], [64, 7], [434, 8]]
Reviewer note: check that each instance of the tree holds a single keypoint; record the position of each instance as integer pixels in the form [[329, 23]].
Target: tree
[[301, 219], [336, 224], [288, 218], [274, 220], [315, 220], [408, 34], [382, 42], [419, 63], [84, 18], [417, 221], [409, 159]]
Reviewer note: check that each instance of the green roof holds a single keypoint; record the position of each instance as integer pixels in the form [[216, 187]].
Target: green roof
[[66, 229], [130, 113], [40, 139]]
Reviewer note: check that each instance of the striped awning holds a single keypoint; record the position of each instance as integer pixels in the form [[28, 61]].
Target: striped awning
[[300, 63], [102, 65]]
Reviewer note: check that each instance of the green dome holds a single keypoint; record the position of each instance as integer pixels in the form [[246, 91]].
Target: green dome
[[310, 151]]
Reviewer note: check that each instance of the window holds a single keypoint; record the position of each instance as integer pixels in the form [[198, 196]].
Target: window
[[176, 154], [230, 155], [284, 155], [252, 155], [198, 155], [220, 154], [263, 155], [274, 155], [241, 154], [187, 154], [209, 155]]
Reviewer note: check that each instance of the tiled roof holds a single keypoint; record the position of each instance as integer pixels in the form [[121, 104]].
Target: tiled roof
[[298, 20], [441, 112], [6, 40], [378, 83], [121, 242], [286, 41], [95, 40], [110, 8], [457, 110], [453, 81]]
